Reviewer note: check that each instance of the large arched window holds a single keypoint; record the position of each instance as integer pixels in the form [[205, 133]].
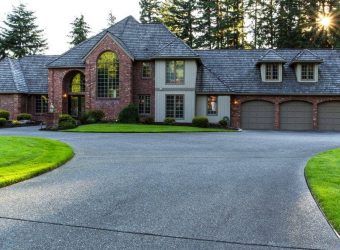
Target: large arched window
[[108, 75], [78, 83]]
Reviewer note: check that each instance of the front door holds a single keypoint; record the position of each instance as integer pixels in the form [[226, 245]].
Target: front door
[[76, 106]]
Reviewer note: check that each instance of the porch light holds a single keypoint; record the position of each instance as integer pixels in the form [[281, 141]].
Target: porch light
[[65, 95], [235, 101]]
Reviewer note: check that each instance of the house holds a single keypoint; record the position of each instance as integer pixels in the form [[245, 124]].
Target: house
[[147, 65]]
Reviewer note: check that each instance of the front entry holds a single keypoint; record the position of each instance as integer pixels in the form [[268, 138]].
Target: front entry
[[76, 105]]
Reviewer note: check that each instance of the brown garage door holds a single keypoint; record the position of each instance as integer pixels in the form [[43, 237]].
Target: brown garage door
[[296, 115], [329, 116], [257, 115]]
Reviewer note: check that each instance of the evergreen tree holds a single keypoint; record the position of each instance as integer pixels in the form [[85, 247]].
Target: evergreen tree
[[179, 17], [21, 36], [111, 19], [204, 35], [150, 11], [80, 30]]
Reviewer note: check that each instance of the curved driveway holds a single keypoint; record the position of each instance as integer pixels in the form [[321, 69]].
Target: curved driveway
[[171, 191]]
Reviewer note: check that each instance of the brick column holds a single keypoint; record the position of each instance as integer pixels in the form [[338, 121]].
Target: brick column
[[315, 115]]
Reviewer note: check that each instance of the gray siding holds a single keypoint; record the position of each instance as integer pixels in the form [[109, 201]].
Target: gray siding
[[223, 107]]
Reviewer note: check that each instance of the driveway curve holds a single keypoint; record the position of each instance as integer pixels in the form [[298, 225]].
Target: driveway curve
[[171, 191]]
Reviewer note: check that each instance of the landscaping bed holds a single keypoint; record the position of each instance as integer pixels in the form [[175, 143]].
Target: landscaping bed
[[22, 158], [323, 177]]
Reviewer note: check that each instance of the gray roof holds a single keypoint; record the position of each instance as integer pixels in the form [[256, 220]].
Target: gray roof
[[141, 41], [238, 70], [306, 56], [271, 56], [25, 75]]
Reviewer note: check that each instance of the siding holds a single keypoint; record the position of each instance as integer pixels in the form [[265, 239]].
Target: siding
[[223, 108]]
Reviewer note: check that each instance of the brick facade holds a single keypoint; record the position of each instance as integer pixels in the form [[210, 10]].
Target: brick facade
[[13, 103], [236, 102]]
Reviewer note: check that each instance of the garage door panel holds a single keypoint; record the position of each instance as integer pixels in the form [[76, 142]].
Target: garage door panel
[[257, 115], [296, 115], [329, 116]]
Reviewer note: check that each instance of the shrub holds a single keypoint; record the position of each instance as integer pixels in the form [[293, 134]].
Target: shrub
[[200, 121], [3, 122], [149, 120], [4, 114], [225, 122], [169, 121], [24, 116], [97, 115], [66, 122], [16, 122], [129, 114]]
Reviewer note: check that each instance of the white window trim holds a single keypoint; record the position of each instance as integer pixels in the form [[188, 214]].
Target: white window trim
[[263, 72], [298, 71]]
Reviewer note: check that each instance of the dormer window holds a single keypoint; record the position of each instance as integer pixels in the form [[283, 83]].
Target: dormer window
[[307, 72], [272, 72]]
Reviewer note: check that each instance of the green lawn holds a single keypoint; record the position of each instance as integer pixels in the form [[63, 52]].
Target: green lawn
[[22, 158], [140, 128], [323, 176]]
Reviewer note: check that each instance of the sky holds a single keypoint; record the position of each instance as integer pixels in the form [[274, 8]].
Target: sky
[[55, 16]]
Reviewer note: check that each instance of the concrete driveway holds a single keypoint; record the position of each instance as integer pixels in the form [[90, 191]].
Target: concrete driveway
[[171, 191]]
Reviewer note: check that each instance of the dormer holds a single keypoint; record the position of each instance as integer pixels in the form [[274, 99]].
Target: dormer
[[271, 65], [306, 65]]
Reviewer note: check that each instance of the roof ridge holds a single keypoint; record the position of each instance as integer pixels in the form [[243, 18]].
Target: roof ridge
[[218, 78], [18, 75]]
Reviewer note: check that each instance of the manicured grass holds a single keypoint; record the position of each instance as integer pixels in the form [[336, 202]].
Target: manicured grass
[[323, 176], [140, 128], [22, 158]]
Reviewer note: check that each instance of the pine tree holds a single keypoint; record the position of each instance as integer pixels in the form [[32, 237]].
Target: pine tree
[[150, 11], [204, 34], [179, 17], [111, 19], [80, 30], [21, 36]]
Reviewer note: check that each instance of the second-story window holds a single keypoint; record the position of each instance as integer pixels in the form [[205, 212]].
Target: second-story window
[[272, 72], [146, 70], [307, 72], [175, 72]]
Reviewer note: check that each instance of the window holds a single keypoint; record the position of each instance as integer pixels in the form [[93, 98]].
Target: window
[[108, 75], [41, 104], [212, 105], [272, 72], [307, 72], [175, 72], [144, 106], [78, 83], [175, 106], [146, 70]]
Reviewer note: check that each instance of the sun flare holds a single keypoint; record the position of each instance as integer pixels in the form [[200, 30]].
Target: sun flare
[[325, 21]]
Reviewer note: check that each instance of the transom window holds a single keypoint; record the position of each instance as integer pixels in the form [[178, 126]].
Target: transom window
[[108, 75], [78, 83], [41, 104], [146, 70], [175, 106], [175, 72], [272, 72], [144, 105], [307, 72], [212, 105]]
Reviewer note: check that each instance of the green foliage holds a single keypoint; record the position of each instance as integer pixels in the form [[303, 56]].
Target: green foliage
[[200, 121], [225, 122], [4, 114], [24, 116], [169, 121], [149, 120], [80, 30], [3, 122], [66, 122], [129, 114], [21, 35], [150, 11], [92, 116], [15, 122]]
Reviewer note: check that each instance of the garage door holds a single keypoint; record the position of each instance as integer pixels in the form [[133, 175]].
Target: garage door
[[329, 116], [257, 115], [296, 116]]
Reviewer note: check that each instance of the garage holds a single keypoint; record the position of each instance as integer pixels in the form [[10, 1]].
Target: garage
[[257, 115], [296, 115], [329, 116]]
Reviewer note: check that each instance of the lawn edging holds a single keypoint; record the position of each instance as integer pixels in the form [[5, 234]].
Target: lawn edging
[[325, 187], [26, 157]]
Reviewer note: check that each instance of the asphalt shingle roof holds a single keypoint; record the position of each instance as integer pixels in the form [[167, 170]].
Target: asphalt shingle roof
[[142, 41], [306, 56], [238, 70], [25, 75], [271, 56]]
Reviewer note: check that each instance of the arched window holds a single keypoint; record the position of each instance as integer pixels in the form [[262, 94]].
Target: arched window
[[78, 83], [108, 75]]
